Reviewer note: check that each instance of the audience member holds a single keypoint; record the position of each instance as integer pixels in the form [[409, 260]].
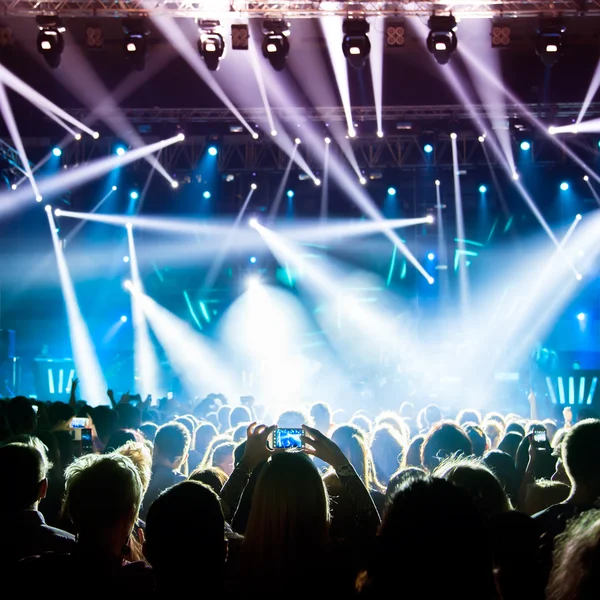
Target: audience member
[[149, 430], [322, 417], [214, 478], [20, 415], [387, 450], [444, 440], [204, 434], [222, 457], [413, 452], [468, 415], [510, 443], [478, 439], [239, 415], [223, 415]]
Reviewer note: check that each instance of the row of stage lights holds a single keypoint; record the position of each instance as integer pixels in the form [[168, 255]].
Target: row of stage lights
[[442, 40]]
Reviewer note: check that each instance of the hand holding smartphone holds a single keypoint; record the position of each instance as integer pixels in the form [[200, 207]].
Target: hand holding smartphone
[[285, 439], [540, 437]]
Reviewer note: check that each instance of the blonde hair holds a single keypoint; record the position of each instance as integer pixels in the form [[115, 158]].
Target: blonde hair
[[141, 456]]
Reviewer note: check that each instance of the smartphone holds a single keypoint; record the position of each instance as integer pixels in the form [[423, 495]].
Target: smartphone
[[540, 437], [80, 423], [87, 444], [287, 439]]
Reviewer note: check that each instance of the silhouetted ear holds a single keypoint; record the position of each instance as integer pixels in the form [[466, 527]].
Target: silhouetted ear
[[43, 489]]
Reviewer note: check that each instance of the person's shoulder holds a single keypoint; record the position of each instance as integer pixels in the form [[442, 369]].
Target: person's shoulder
[[555, 511], [59, 533]]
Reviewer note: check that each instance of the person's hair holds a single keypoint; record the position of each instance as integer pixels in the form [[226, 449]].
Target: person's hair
[[293, 419], [121, 437], [185, 529], [576, 565], [20, 415], [223, 414], [288, 525], [240, 414], [515, 427], [387, 450], [363, 423], [503, 467], [432, 532], [213, 477], [59, 412], [401, 477], [558, 439], [468, 415], [478, 438], [322, 416], [149, 430], [510, 443], [412, 457], [544, 493], [222, 438], [581, 452], [352, 443], [407, 410], [393, 420], [474, 476], [494, 430], [106, 421], [433, 414], [204, 434], [190, 424], [172, 441], [222, 452], [140, 455], [101, 490], [551, 428], [240, 433], [496, 416], [444, 440], [130, 417], [23, 467]]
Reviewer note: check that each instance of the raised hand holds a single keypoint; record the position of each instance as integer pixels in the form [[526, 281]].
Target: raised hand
[[319, 445], [256, 445]]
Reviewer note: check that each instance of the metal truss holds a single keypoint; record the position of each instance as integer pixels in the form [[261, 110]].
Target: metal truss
[[448, 112], [398, 151], [244, 9], [12, 157]]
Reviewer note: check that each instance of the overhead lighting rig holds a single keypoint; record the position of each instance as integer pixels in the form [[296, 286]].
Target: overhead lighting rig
[[211, 44]]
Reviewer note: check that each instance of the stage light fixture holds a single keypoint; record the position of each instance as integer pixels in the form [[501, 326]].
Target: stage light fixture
[[352, 133], [123, 318], [391, 191], [429, 219], [212, 151], [586, 178], [134, 195], [428, 148], [57, 212], [297, 141], [253, 222], [78, 137], [437, 182], [38, 198], [135, 42], [442, 40], [95, 135], [481, 139], [255, 135], [48, 208], [239, 36], [206, 195], [564, 186], [482, 189], [128, 285], [174, 184], [500, 35], [276, 45], [549, 42], [273, 132], [114, 188], [578, 217], [515, 176], [253, 186], [380, 134], [356, 45], [328, 140], [362, 181], [126, 259], [50, 40], [317, 181], [211, 44], [120, 151], [581, 316], [253, 259], [395, 34], [525, 145], [290, 193], [431, 256], [453, 136], [13, 187], [56, 151]]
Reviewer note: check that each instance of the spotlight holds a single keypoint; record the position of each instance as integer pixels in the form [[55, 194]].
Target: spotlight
[[482, 189], [391, 191], [211, 44], [126, 259], [206, 195], [453, 136], [356, 45], [297, 141], [581, 316], [212, 151], [317, 181], [134, 195], [255, 135], [13, 186], [57, 212], [525, 145], [253, 222], [253, 283], [253, 186], [128, 285], [181, 137], [78, 136], [437, 182], [380, 134], [362, 181], [123, 318], [328, 140], [564, 186], [276, 45], [120, 151], [114, 188], [515, 176], [431, 256], [352, 133], [481, 139], [50, 41], [48, 208], [95, 135], [273, 132], [549, 42], [56, 151], [578, 276], [500, 35], [586, 178], [430, 280], [429, 219], [552, 131], [442, 41], [428, 148], [253, 259], [174, 184], [129, 226], [578, 217], [290, 193], [38, 198], [135, 43]]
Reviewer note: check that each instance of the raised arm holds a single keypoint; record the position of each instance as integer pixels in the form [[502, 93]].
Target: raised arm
[[73, 396]]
